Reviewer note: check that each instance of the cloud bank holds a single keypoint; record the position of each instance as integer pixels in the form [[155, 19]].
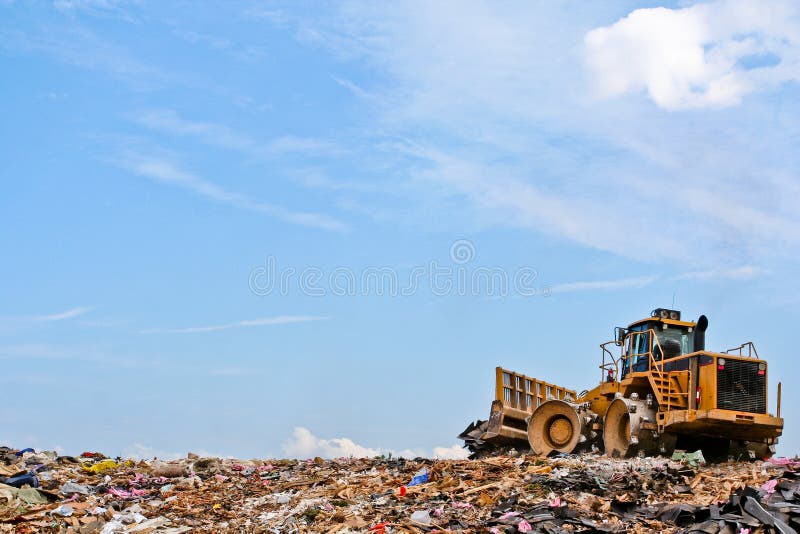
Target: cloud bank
[[707, 55], [304, 444]]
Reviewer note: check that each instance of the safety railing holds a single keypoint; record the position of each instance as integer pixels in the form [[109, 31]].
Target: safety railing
[[663, 382], [609, 368], [747, 346]]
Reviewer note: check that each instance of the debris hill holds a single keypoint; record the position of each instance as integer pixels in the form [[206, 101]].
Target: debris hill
[[45, 492]]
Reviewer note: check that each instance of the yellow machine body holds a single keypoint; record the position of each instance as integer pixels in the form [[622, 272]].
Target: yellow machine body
[[662, 389]]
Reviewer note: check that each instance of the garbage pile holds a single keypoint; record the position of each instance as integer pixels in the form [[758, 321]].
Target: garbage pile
[[88, 494]]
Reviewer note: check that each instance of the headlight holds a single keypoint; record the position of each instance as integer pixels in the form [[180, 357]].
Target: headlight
[[721, 361]]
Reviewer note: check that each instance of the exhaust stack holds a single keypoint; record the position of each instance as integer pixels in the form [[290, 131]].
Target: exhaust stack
[[700, 333]]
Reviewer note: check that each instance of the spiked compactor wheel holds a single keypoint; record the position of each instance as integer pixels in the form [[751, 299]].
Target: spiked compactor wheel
[[629, 428]]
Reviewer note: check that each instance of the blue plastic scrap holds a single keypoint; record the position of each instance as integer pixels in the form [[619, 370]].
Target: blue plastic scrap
[[19, 481], [420, 478]]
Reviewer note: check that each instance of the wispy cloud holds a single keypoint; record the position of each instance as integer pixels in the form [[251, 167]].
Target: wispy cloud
[[506, 198], [79, 46], [219, 135], [266, 321], [105, 323], [514, 149], [166, 172], [63, 316], [605, 285], [88, 354], [115, 8], [743, 272]]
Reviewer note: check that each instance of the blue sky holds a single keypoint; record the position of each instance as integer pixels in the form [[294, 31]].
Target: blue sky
[[160, 160]]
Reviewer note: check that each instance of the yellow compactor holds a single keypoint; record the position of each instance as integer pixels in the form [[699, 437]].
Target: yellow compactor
[[662, 390]]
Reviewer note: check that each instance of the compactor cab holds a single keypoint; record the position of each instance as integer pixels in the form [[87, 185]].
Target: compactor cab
[[663, 335], [659, 389]]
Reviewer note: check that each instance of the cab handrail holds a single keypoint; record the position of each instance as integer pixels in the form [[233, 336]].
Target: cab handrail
[[656, 368], [749, 346]]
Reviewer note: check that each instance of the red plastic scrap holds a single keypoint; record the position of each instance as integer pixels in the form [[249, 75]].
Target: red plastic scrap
[[380, 528]]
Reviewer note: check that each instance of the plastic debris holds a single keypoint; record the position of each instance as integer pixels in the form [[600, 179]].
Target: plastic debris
[[420, 477], [692, 458], [64, 510], [28, 479], [70, 488], [423, 517], [101, 467], [502, 494]]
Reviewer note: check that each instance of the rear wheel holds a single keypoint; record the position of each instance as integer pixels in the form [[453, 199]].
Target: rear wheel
[[559, 426]]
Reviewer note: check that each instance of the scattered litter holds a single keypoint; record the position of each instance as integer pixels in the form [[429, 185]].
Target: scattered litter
[[100, 467], [502, 494], [421, 517], [64, 510], [70, 488], [420, 477], [692, 458], [28, 479]]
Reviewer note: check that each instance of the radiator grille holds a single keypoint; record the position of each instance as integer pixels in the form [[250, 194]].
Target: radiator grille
[[741, 388]]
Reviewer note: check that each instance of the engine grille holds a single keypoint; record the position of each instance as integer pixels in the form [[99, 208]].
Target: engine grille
[[741, 388]]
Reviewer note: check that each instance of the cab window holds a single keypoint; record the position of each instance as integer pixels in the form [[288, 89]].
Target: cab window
[[637, 347], [675, 341]]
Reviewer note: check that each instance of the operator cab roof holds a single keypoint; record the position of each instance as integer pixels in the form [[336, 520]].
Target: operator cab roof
[[665, 316]]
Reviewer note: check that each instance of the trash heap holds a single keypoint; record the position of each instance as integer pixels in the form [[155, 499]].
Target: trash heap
[[47, 492]]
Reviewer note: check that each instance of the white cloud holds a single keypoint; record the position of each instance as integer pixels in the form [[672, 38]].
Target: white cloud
[[105, 323], [304, 444], [454, 452], [89, 354], [304, 145], [264, 321], [743, 272], [166, 172], [624, 283], [209, 133], [95, 7], [77, 45], [222, 136], [489, 104], [698, 56], [507, 199], [63, 316]]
